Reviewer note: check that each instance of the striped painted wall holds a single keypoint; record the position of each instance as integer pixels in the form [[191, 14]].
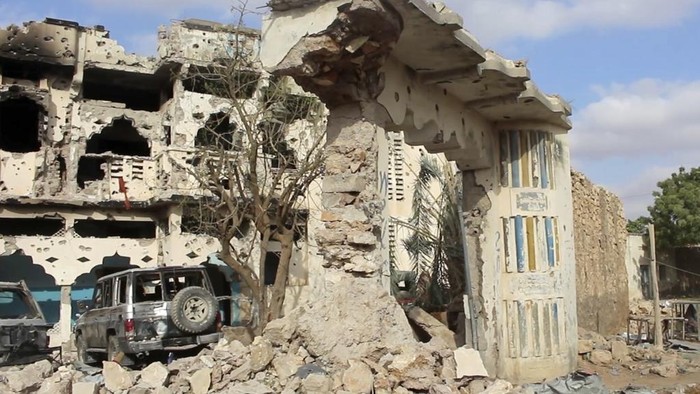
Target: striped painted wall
[[535, 328], [526, 159], [531, 243]]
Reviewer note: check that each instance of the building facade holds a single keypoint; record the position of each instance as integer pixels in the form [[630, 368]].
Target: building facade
[[94, 150]]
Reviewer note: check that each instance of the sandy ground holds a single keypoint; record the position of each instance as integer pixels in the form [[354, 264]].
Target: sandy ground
[[619, 378]]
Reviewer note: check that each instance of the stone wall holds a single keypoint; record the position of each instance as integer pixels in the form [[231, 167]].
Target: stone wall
[[600, 237]]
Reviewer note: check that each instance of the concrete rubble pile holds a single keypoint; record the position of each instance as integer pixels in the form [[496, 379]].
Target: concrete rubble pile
[[646, 308], [614, 352], [359, 343]]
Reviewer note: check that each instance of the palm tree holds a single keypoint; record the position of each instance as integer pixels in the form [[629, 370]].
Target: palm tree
[[435, 243]]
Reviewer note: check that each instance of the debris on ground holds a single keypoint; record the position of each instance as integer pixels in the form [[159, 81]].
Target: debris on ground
[[644, 358], [314, 349]]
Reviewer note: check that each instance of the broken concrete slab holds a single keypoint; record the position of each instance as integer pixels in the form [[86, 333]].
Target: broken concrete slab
[[154, 375], [432, 326], [85, 388], [116, 377], [469, 363], [601, 357], [261, 353], [358, 378], [200, 381]]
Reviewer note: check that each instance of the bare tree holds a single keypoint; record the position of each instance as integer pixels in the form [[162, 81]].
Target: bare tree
[[253, 165]]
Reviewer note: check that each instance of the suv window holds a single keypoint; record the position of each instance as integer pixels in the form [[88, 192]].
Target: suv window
[[176, 281], [147, 287], [14, 304], [97, 296], [107, 296], [121, 290]]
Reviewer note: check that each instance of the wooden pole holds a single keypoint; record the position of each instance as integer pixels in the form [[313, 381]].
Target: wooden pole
[[658, 335]]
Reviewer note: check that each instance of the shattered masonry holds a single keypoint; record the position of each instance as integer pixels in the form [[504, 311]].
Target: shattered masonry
[[409, 66], [100, 121], [85, 127]]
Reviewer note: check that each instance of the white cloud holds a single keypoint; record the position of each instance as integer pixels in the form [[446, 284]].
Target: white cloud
[[636, 192], [647, 117], [500, 20]]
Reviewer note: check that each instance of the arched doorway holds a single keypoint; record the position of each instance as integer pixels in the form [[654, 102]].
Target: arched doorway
[[17, 267], [84, 285], [227, 287]]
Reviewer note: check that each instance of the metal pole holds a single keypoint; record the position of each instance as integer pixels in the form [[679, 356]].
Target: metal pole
[[658, 340], [467, 277]]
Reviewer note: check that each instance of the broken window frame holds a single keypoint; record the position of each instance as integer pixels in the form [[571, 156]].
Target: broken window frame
[[117, 85]]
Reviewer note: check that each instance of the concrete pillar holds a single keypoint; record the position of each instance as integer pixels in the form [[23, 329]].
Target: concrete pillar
[[65, 315], [353, 211], [519, 231]]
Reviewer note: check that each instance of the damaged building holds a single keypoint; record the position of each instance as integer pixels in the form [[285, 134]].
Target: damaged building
[[410, 66], [93, 142], [95, 137]]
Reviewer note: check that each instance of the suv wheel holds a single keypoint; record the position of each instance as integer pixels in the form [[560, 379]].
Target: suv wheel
[[193, 309]]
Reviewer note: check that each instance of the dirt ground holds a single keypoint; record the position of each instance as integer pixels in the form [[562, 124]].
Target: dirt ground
[[617, 378]]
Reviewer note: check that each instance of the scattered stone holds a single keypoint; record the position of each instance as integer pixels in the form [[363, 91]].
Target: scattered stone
[[261, 353], [116, 377], [316, 384], [280, 331], [243, 335], [358, 378], [161, 390], [618, 350], [154, 375], [251, 387], [30, 378], [241, 373], [200, 381], [286, 365], [498, 387], [665, 370], [85, 388], [56, 384], [585, 346], [440, 389], [139, 390], [601, 357]]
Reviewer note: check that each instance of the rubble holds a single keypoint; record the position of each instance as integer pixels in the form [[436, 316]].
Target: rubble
[[644, 357], [360, 343]]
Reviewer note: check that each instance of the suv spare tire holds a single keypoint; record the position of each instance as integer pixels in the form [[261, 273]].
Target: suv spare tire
[[193, 309]]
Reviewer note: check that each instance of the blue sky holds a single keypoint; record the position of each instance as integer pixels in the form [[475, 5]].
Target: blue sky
[[628, 67]]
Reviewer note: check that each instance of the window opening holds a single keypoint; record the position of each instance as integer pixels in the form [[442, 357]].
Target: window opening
[[20, 122], [114, 228], [31, 226]]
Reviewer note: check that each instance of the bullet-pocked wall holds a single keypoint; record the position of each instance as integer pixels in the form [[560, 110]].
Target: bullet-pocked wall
[[527, 246], [93, 142]]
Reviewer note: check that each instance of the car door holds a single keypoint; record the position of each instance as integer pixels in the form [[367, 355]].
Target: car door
[[102, 315], [118, 313], [87, 323]]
